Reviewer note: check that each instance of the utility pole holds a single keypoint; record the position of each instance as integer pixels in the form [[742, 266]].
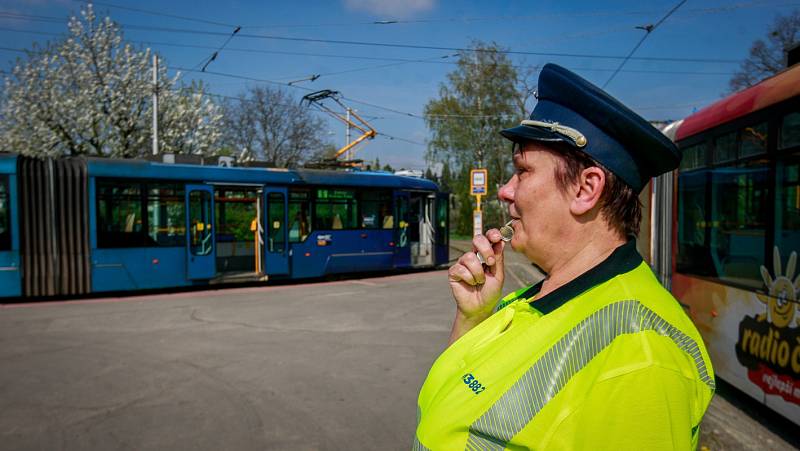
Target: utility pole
[[479, 176], [155, 104], [347, 156], [480, 139]]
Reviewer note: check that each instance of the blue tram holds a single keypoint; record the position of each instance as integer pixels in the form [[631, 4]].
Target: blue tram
[[72, 226]]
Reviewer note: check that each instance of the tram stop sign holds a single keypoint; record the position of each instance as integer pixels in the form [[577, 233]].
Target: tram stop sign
[[478, 180], [477, 222]]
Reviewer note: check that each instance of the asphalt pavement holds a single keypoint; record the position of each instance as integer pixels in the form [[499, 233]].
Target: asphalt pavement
[[320, 366]]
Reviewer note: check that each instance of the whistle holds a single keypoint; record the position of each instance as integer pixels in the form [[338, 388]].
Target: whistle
[[506, 233]]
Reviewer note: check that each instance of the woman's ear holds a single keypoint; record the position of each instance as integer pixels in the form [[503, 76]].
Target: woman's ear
[[589, 189]]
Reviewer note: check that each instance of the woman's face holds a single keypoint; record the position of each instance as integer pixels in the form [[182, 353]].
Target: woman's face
[[536, 203]]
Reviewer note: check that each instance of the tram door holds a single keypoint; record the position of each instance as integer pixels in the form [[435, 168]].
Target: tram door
[[9, 248], [276, 239], [402, 247], [421, 229], [442, 228], [200, 249]]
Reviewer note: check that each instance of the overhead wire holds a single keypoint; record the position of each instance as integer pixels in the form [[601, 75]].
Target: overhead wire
[[42, 33], [246, 100], [394, 21], [573, 14], [361, 102], [350, 99], [30, 17], [274, 82], [54, 19], [395, 138], [373, 118], [396, 111], [553, 38], [238, 28], [214, 55], [415, 46], [421, 47], [9, 49], [433, 47], [158, 13], [50, 19], [435, 60], [648, 30], [380, 66]]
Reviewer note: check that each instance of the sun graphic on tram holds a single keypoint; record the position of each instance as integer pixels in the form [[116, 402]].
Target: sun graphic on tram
[[781, 297]]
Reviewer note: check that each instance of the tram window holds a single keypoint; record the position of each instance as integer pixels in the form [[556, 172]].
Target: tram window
[[235, 213], [299, 214], [739, 204], [5, 216], [376, 210], [120, 215], [200, 223], [694, 254], [790, 131], [725, 148], [166, 214], [694, 157], [276, 205], [754, 140], [787, 211], [441, 220], [335, 209]]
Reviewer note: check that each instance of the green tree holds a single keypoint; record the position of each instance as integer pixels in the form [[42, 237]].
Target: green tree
[[430, 175], [484, 94], [768, 57], [446, 178]]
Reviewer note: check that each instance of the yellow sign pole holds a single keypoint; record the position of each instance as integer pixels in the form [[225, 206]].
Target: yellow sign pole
[[478, 187]]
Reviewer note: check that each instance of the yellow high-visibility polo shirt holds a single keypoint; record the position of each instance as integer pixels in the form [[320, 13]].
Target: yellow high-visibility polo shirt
[[607, 361]]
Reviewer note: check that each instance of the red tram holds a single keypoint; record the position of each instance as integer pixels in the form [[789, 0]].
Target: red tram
[[726, 234]]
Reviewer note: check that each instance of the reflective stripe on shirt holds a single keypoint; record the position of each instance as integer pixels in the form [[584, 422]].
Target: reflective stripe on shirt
[[526, 397]]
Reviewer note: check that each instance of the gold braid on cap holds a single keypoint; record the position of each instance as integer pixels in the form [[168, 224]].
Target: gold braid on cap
[[576, 136]]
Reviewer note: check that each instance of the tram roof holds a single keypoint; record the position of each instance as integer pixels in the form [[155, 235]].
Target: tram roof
[[114, 167], [143, 169], [376, 179], [779, 87]]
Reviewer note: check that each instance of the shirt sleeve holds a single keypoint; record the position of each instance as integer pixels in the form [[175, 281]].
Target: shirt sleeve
[[649, 408]]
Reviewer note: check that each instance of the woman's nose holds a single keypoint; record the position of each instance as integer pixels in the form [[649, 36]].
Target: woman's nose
[[506, 192]]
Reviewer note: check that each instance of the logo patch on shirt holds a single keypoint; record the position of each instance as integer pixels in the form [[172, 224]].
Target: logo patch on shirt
[[473, 384]]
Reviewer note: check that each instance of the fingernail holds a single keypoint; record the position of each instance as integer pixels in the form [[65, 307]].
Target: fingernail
[[490, 261]]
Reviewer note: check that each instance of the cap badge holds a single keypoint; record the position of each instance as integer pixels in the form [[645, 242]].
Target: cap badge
[[576, 136]]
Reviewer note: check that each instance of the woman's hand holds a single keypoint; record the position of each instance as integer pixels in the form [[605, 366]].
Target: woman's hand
[[476, 286]]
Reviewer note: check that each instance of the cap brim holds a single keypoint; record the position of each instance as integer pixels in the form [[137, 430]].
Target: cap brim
[[522, 133]]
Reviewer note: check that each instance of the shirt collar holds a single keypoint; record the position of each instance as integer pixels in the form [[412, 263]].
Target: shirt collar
[[625, 258]]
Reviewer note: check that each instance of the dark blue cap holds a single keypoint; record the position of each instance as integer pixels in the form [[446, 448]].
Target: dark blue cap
[[573, 111]]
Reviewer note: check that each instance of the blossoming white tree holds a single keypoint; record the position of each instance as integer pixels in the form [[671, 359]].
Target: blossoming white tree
[[90, 94]]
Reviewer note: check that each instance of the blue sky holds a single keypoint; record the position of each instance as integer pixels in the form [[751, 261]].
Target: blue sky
[[713, 31]]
